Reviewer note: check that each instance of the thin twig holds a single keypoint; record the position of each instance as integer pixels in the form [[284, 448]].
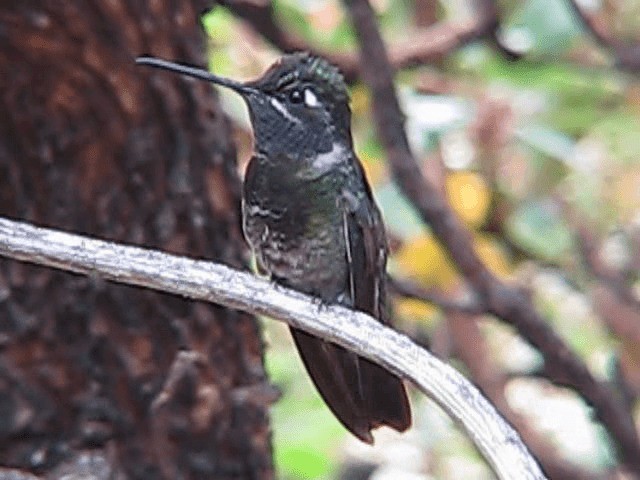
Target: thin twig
[[472, 349], [423, 45], [589, 247], [201, 280], [627, 55], [406, 288], [261, 17], [504, 301]]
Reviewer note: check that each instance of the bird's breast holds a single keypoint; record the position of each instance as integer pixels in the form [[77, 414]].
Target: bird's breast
[[294, 226]]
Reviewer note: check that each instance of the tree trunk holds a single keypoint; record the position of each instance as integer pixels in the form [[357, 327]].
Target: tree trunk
[[114, 381]]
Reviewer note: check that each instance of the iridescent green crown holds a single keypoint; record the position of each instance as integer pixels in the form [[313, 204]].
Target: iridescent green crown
[[302, 67]]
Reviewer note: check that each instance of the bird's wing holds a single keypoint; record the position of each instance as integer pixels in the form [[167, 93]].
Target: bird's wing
[[366, 253], [360, 393], [383, 398]]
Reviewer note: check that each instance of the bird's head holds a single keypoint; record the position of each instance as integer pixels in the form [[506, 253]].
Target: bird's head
[[299, 105]]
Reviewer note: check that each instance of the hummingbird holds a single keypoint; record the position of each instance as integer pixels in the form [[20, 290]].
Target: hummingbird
[[311, 220]]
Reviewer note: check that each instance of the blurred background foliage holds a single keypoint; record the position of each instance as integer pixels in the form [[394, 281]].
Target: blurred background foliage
[[539, 157]]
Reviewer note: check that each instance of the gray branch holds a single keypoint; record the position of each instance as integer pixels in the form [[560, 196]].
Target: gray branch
[[202, 280]]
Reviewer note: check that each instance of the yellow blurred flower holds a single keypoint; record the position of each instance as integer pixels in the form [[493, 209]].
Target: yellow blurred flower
[[469, 196], [414, 309], [424, 260]]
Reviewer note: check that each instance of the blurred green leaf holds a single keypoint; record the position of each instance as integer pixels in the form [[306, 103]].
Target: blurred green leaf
[[305, 431], [340, 38], [219, 23], [397, 16], [534, 75], [399, 215], [301, 462], [537, 227], [546, 26], [292, 16], [549, 141], [620, 132], [573, 98]]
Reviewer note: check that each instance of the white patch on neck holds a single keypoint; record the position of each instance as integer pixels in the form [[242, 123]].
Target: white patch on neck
[[326, 161], [282, 109], [310, 99], [316, 167]]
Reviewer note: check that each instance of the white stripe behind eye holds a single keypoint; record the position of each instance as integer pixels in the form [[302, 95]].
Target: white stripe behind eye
[[282, 109], [310, 99]]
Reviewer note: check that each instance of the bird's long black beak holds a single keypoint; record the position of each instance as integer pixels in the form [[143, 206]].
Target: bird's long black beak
[[194, 72]]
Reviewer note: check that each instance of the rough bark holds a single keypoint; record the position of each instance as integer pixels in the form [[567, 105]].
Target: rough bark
[[140, 383]]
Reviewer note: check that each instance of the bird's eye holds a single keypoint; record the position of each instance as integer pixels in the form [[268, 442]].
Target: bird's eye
[[295, 96]]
